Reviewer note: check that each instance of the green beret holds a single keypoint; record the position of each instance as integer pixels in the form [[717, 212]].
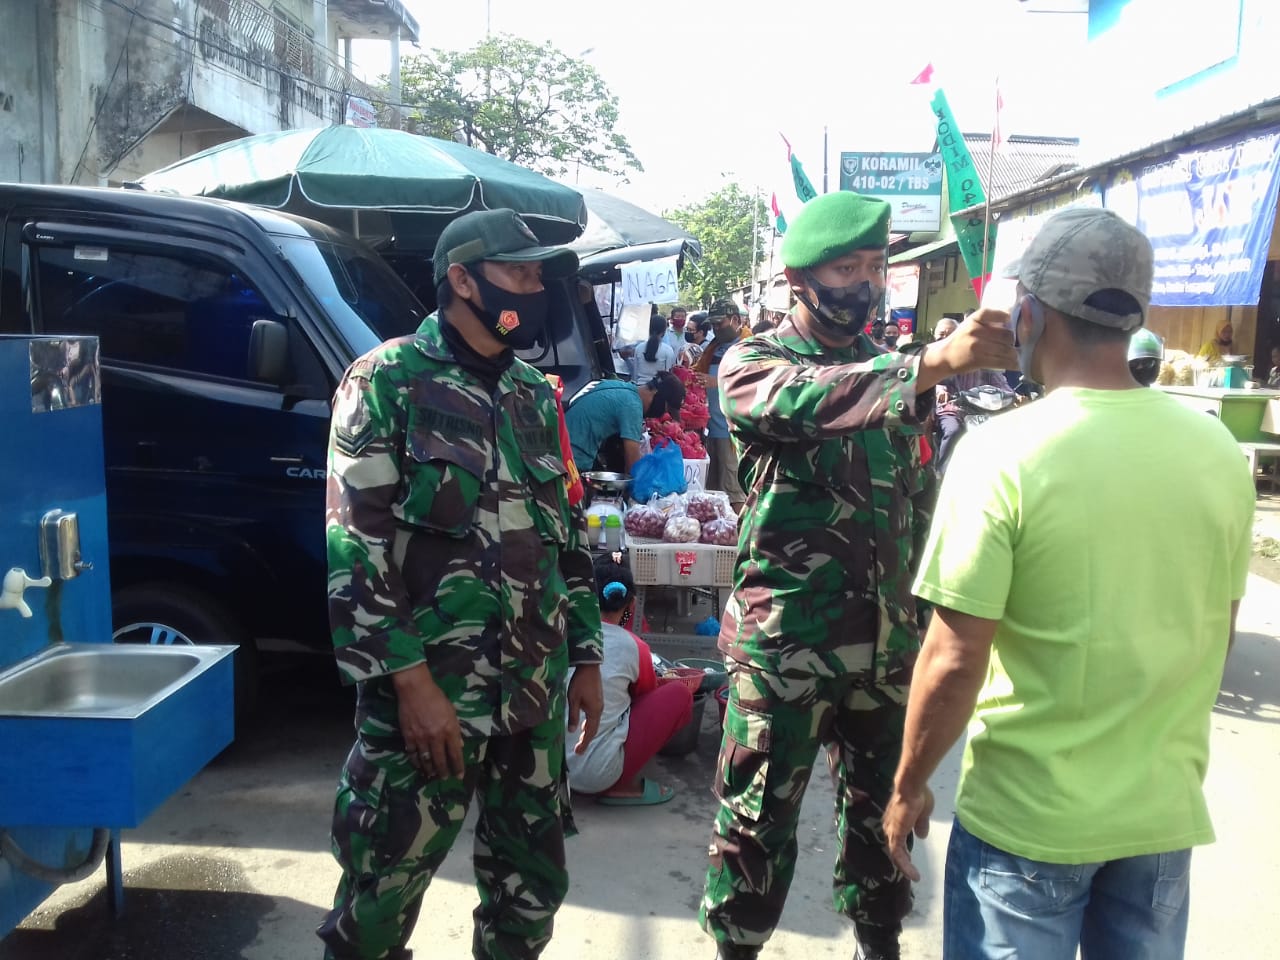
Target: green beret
[[833, 224]]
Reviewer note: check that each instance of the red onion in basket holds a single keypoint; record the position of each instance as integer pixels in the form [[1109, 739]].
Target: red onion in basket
[[647, 522], [722, 531]]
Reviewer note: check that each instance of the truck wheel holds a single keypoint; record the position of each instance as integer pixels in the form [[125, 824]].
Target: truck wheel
[[156, 613]]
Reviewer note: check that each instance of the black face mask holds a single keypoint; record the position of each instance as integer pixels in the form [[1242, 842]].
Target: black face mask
[[689, 337], [516, 319], [842, 310]]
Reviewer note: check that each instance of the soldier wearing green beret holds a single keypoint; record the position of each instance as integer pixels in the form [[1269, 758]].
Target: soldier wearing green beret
[[821, 630], [461, 591]]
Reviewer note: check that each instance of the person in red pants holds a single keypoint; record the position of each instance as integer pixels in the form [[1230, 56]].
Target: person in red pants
[[640, 715]]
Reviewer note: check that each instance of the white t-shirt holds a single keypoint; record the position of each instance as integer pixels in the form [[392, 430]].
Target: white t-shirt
[[642, 370], [600, 766]]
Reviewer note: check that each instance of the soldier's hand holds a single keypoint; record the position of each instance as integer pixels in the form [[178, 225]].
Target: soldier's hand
[[432, 734], [903, 815], [586, 696], [982, 342]]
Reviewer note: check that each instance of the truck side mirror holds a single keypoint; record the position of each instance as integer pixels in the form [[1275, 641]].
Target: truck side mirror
[[269, 351]]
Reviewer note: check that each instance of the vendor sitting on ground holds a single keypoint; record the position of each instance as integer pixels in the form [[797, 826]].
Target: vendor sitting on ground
[[640, 715], [615, 408]]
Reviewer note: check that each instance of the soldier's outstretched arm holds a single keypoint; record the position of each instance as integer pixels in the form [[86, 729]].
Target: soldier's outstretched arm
[[766, 394], [369, 612]]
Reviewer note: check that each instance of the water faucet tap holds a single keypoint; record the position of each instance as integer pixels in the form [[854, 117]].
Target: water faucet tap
[[16, 582]]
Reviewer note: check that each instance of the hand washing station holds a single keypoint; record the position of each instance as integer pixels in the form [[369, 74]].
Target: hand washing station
[[94, 736]]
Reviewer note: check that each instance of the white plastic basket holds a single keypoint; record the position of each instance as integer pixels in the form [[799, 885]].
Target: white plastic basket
[[682, 564]]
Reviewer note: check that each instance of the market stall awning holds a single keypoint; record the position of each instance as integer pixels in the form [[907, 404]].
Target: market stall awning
[[928, 251]]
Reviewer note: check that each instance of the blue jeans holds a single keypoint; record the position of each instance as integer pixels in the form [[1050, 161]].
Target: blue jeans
[[1001, 907]]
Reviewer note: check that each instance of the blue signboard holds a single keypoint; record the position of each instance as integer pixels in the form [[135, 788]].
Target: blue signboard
[[1208, 212]]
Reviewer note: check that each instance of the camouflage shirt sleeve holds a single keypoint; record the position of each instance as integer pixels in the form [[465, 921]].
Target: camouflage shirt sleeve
[[766, 394], [586, 643], [370, 614]]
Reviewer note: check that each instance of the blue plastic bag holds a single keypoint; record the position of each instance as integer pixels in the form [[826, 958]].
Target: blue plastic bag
[[658, 474]]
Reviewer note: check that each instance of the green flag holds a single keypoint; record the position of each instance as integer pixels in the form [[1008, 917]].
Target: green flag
[[964, 190], [779, 221], [804, 189]]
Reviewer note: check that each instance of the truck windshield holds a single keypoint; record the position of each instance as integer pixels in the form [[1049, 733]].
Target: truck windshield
[[347, 279]]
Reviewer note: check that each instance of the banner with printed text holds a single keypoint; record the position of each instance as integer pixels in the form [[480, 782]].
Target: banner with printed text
[[964, 192], [1208, 212], [911, 183]]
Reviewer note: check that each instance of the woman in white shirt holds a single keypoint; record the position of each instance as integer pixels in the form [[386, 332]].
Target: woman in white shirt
[[640, 715], [654, 355]]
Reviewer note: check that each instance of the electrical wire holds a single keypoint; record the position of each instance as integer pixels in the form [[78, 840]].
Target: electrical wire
[[102, 103]]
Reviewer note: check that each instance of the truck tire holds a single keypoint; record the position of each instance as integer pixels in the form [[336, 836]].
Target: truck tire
[[160, 613]]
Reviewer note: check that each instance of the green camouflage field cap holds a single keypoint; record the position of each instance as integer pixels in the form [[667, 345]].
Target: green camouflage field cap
[[723, 308], [832, 225], [498, 235], [1083, 251]]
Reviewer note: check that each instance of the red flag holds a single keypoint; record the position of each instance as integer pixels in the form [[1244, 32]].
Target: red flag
[[773, 205], [924, 76], [788, 143]]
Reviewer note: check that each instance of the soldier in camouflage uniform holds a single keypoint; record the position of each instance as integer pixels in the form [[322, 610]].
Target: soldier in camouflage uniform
[[821, 630], [460, 593]]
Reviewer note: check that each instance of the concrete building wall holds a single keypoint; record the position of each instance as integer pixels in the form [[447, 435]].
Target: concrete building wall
[[93, 91], [28, 147]]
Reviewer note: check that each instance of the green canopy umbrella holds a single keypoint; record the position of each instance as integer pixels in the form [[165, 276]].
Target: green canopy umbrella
[[417, 183]]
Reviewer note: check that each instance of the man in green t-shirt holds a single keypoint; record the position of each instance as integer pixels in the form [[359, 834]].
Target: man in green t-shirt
[[1086, 559]]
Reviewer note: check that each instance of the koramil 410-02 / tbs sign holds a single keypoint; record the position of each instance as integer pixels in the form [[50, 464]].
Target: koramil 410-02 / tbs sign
[[911, 183]]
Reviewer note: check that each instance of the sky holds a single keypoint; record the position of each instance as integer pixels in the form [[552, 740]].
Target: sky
[[706, 86]]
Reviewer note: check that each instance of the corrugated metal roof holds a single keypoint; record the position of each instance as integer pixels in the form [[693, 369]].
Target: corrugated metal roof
[[1021, 160], [1258, 114]]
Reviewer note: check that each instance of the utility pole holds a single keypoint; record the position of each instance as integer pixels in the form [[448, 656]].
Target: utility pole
[[755, 242]]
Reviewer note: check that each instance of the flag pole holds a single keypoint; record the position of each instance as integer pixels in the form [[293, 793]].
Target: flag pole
[[825, 153], [986, 216]]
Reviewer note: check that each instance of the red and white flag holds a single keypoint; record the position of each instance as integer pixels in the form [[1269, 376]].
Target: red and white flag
[[925, 76], [997, 140]]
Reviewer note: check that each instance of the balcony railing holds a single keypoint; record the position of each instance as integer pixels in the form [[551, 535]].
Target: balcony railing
[[254, 41]]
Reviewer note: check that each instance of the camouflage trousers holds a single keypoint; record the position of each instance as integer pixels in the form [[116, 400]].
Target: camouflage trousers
[[773, 729], [393, 828]]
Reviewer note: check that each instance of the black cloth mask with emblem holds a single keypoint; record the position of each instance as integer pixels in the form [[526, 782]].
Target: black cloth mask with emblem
[[516, 319]]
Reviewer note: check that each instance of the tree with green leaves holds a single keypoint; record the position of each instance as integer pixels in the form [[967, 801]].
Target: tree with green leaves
[[528, 103], [723, 222]]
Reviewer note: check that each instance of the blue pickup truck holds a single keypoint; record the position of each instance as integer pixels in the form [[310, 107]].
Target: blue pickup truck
[[223, 331]]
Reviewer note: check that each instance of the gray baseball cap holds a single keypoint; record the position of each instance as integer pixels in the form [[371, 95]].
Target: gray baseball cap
[[1084, 250]]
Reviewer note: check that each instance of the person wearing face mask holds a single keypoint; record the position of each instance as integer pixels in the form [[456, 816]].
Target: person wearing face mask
[[1086, 683], [891, 334], [461, 591], [696, 332], [728, 324], [821, 629], [674, 337]]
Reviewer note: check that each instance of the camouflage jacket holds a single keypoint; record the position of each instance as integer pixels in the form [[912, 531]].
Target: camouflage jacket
[[451, 538], [837, 505]]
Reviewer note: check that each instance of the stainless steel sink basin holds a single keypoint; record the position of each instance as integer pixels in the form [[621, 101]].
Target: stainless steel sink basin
[[99, 679], [100, 734]]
